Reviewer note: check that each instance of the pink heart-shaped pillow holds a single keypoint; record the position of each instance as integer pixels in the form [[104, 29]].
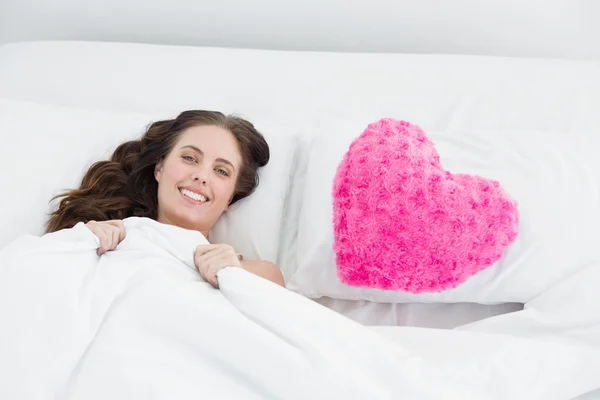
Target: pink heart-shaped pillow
[[401, 222]]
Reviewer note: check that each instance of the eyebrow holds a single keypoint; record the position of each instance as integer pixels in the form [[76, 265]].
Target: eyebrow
[[197, 150]]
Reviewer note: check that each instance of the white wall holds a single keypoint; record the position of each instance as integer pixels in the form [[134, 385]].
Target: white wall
[[538, 28]]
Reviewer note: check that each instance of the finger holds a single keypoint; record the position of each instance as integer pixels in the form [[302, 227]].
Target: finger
[[203, 265], [109, 238], [117, 223], [217, 263], [101, 235], [205, 248], [227, 258], [216, 259], [201, 260], [203, 270], [101, 249], [208, 254], [116, 233], [230, 253], [211, 277], [221, 249], [208, 267]]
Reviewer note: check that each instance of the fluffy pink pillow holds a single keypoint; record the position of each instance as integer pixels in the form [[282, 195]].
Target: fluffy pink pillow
[[401, 222]]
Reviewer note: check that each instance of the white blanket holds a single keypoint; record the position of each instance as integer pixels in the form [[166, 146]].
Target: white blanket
[[140, 323]]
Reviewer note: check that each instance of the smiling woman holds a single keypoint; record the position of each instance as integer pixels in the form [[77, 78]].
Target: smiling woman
[[185, 172], [197, 180]]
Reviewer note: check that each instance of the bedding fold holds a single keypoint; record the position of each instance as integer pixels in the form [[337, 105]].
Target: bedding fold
[[140, 322]]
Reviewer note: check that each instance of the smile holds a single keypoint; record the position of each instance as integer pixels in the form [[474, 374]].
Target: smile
[[193, 196]]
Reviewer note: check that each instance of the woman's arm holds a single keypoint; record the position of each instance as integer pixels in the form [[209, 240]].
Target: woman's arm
[[264, 269], [210, 258]]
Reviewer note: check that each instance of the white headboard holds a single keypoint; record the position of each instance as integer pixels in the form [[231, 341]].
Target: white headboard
[[533, 28]]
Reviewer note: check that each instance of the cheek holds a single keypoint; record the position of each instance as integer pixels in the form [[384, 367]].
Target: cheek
[[174, 172], [226, 190]]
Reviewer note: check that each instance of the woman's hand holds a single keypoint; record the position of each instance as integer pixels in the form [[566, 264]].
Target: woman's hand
[[211, 258], [110, 233]]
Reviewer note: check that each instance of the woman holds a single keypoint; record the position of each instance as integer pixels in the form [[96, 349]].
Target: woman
[[185, 172]]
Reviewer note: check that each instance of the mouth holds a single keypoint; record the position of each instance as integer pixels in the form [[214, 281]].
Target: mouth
[[193, 196]]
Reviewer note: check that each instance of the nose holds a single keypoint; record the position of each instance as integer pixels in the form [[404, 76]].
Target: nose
[[201, 175]]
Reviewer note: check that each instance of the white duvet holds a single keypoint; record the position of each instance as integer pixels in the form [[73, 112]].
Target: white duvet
[[140, 323]]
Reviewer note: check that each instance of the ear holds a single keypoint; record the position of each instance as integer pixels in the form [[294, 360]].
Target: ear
[[229, 202], [158, 170]]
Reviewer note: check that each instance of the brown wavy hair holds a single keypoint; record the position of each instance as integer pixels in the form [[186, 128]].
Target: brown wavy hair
[[125, 186]]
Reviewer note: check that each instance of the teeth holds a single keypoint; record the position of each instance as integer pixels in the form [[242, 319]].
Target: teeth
[[193, 196]]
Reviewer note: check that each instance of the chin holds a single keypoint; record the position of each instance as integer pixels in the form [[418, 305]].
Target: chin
[[189, 222]]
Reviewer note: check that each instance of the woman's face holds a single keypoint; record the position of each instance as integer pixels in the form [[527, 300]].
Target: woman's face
[[196, 181]]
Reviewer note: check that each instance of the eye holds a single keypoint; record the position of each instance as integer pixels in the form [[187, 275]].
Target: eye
[[189, 158], [222, 171]]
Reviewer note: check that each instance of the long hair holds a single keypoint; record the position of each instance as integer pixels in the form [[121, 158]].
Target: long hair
[[125, 186]]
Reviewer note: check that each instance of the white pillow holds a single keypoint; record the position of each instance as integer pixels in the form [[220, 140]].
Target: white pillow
[[253, 225], [554, 177], [46, 149]]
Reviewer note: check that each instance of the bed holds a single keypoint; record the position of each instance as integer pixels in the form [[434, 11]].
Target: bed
[[124, 77], [300, 93]]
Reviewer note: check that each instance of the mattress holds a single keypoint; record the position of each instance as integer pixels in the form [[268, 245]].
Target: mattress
[[295, 85], [422, 315]]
